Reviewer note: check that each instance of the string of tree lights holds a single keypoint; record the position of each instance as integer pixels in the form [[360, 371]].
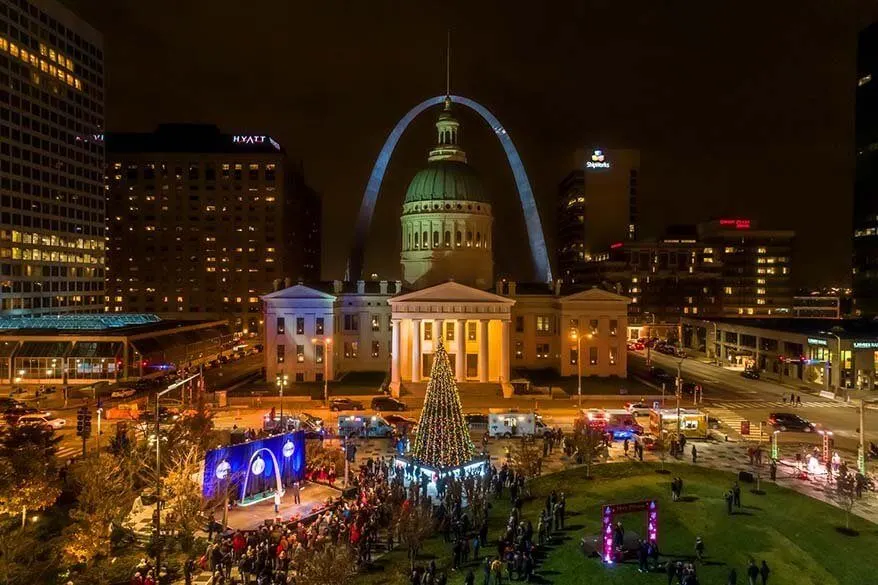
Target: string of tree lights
[[443, 438]]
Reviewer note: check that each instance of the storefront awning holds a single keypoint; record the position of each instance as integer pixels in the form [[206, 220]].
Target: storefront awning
[[49, 349]]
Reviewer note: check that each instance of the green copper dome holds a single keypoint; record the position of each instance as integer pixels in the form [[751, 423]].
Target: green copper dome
[[446, 180]]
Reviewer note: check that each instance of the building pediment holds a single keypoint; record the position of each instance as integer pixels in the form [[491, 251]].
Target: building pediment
[[595, 295], [450, 292], [298, 291]]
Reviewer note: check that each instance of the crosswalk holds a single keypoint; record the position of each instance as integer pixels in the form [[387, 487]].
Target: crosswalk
[[733, 421], [780, 405], [65, 453]]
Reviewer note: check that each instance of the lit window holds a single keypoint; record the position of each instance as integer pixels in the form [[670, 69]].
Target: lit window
[[300, 353], [544, 323], [728, 290]]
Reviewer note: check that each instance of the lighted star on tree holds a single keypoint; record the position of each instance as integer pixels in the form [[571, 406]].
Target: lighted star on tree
[[443, 439]]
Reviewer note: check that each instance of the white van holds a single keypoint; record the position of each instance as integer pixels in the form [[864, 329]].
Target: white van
[[516, 424]]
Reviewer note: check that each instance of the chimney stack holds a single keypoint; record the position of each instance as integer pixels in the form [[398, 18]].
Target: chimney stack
[[275, 284], [511, 288], [361, 287], [288, 282], [336, 286], [398, 287], [382, 287]]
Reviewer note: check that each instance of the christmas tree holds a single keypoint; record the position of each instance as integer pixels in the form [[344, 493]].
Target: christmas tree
[[443, 439]]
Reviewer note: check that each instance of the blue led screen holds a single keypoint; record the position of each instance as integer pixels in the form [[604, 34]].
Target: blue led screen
[[255, 466]]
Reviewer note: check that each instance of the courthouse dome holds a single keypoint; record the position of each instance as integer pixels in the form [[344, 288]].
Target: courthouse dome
[[446, 180]]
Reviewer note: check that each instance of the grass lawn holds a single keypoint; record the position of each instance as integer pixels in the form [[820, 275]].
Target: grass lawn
[[795, 534]]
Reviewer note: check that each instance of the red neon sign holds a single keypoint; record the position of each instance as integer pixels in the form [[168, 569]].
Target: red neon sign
[[616, 245], [738, 224]]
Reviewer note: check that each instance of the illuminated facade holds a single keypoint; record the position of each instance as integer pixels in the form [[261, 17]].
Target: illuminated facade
[[52, 217], [201, 224], [720, 268], [322, 330], [597, 207]]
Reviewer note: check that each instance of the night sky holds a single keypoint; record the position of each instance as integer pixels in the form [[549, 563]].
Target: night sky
[[740, 108]]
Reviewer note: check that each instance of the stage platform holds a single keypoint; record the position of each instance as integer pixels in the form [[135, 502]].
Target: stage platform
[[253, 516]]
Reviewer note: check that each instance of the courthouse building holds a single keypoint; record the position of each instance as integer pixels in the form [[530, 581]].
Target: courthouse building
[[318, 330]]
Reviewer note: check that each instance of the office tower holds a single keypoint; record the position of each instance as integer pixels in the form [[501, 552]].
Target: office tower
[[202, 223], [52, 220], [597, 206], [865, 257]]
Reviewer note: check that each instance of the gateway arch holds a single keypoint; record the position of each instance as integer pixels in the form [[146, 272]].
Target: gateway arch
[[529, 207]]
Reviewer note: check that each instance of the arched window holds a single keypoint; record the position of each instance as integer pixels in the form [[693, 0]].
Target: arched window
[[469, 239], [426, 240], [447, 239], [416, 240], [436, 239], [410, 240], [478, 239], [458, 238]]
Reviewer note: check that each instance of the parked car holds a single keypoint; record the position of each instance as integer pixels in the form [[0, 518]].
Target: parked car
[[402, 424], [638, 408], [8, 402], [42, 420], [649, 442], [123, 393], [751, 374], [635, 346], [380, 403], [337, 404], [476, 422], [13, 414], [785, 421]]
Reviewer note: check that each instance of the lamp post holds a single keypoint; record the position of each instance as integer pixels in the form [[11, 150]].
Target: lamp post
[[679, 392], [158, 477], [575, 336], [281, 381], [327, 347]]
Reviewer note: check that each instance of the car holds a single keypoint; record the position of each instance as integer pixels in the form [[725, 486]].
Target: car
[[43, 420], [123, 393], [402, 423], [661, 376], [315, 421], [223, 359], [476, 422], [338, 404], [638, 408], [8, 402], [380, 403], [786, 421], [751, 374], [649, 442], [13, 414]]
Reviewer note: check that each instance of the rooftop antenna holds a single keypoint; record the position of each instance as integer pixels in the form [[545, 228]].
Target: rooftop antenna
[[448, 66]]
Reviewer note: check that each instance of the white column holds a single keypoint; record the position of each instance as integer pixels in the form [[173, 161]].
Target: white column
[[438, 326], [394, 353], [416, 350], [460, 356], [504, 353], [483, 350]]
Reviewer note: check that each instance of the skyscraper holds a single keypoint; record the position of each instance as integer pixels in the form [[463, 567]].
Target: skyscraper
[[865, 260], [597, 206], [52, 220], [201, 223]]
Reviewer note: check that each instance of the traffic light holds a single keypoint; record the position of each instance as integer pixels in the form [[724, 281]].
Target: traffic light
[[83, 422]]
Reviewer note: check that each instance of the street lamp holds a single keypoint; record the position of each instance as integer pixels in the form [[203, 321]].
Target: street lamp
[[158, 476], [327, 347], [281, 381], [575, 336]]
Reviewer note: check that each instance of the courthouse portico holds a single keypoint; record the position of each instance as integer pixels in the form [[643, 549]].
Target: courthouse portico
[[473, 323]]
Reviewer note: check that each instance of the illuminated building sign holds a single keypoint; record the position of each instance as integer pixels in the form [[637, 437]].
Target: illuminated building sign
[[866, 345], [616, 245], [738, 224], [242, 139], [597, 160], [815, 341]]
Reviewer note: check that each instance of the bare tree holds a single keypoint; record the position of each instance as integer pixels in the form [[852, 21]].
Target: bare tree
[[28, 472], [415, 526], [588, 441], [182, 496], [845, 495], [105, 495], [331, 564]]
